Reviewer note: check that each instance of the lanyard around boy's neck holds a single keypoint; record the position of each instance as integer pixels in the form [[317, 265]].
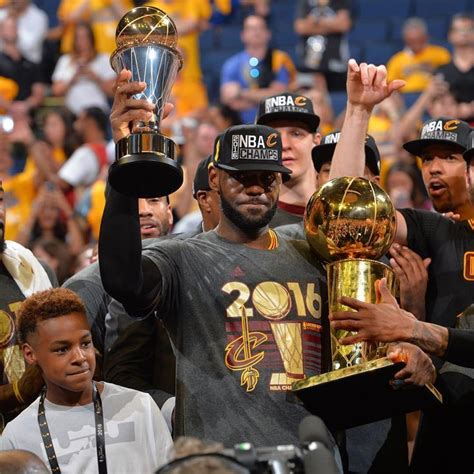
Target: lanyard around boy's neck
[[99, 433]]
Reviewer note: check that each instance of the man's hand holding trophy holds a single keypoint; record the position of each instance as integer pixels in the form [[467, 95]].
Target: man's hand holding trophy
[[147, 56]]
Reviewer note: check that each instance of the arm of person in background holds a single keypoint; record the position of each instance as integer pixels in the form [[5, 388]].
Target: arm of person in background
[[311, 25], [366, 86], [412, 274], [401, 132], [24, 234], [21, 393], [75, 239], [126, 276], [230, 92]]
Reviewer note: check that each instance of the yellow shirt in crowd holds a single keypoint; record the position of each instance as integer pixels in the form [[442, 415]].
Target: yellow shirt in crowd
[[20, 192], [416, 69], [189, 92], [103, 15]]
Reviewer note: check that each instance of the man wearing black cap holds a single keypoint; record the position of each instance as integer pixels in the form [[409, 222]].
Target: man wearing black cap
[[293, 116], [323, 153], [207, 217], [450, 245], [228, 298], [243, 305], [441, 146]]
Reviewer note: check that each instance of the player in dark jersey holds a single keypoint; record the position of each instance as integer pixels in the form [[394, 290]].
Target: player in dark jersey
[[450, 245], [243, 306]]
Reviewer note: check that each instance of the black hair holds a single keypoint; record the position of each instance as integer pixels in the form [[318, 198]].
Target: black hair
[[99, 117]]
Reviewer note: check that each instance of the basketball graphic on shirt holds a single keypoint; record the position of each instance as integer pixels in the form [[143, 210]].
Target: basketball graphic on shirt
[[271, 300]]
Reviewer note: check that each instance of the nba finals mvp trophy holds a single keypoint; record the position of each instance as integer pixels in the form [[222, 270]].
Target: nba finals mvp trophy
[[145, 163], [350, 223]]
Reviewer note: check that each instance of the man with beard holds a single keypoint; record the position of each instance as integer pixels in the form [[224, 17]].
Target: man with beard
[[243, 306], [441, 146], [21, 275]]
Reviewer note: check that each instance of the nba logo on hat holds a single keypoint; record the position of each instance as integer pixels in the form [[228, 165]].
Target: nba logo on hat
[[249, 148]]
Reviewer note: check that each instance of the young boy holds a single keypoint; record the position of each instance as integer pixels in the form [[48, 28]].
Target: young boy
[[78, 425]]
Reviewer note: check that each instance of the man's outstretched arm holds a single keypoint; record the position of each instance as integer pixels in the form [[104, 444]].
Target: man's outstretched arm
[[366, 87], [126, 275]]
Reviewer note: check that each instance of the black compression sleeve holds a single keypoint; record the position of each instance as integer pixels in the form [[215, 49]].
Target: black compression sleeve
[[460, 349], [126, 275]]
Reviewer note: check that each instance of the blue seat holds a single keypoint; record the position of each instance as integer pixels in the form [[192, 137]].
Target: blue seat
[[338, 101], [369, 30], [230, 38], [378, 9], [427, 8], [437, 27], [356, 52], [379, 53], [207, 40], [410, 98]]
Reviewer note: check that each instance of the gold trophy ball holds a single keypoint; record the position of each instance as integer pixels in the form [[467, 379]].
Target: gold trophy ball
[[350, 218], [271, 300], [146, 25]]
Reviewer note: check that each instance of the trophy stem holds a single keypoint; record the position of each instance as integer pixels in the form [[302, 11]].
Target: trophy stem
[[355, 278]]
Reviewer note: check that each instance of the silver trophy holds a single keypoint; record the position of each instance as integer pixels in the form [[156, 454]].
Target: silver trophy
[[145, 163]]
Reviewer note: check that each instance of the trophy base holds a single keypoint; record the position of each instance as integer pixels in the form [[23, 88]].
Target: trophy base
[[362, 394], [145, 167]]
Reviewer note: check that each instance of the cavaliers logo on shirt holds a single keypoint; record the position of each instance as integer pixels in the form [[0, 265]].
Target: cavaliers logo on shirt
[[273, 326], [469, 266]]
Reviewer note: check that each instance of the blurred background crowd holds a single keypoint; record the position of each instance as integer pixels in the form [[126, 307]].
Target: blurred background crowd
[[56, 87]]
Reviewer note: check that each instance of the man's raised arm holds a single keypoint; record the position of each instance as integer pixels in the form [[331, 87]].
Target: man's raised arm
[[126, 275], [366, 87]]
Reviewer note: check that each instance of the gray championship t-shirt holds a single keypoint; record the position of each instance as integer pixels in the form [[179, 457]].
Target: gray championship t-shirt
[[245, 324]]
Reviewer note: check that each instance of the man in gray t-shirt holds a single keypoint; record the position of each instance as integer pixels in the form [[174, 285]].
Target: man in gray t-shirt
[[243, 305]]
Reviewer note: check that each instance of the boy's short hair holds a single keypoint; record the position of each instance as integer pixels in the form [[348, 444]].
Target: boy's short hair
[[44, 305]]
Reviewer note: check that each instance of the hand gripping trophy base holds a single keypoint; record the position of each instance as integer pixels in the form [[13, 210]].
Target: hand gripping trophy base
[[141, 171]]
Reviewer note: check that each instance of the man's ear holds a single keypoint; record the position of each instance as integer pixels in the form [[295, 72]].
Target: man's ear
[[29, 354], [213, 178]]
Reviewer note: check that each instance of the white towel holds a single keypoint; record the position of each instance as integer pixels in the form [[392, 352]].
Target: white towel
[[24, 268]]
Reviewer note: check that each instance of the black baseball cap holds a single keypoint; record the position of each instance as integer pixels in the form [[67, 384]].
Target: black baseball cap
[[441, 131], [287, 106], [201, 178], [324, 152], [469, 153], [249, 148]]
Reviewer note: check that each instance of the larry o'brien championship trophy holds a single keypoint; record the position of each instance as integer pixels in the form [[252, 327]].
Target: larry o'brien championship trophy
[[145, 163], [350, 223]]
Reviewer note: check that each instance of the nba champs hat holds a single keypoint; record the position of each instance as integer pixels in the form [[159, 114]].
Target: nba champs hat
[[441, 131], [249, 148], [287, 106], [323, 153], [201, 178]]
